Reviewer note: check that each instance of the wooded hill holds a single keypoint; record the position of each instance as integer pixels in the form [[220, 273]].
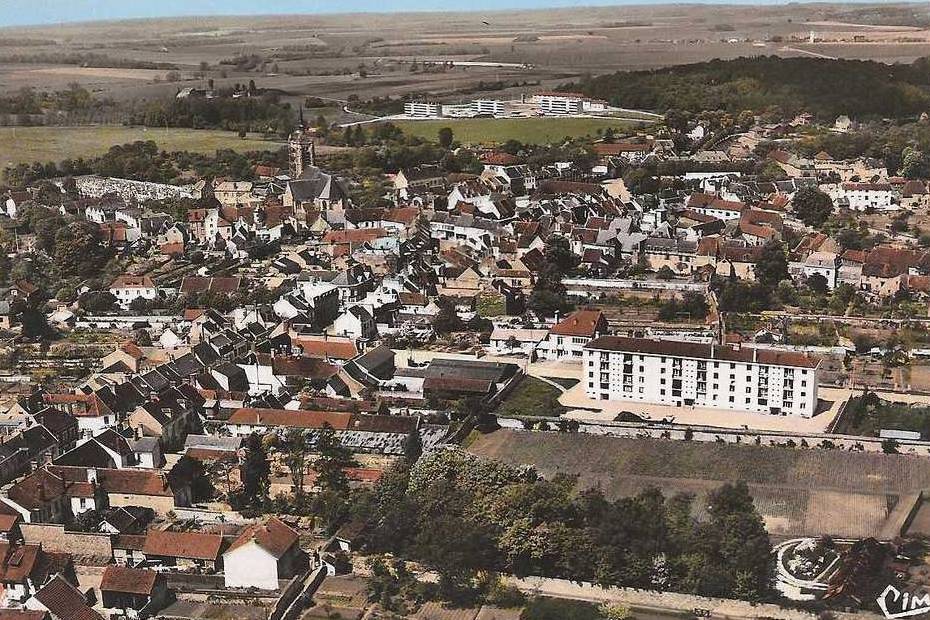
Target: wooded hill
[[825, 88]]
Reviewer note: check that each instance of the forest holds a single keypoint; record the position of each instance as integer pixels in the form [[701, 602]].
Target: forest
[[778, 86]]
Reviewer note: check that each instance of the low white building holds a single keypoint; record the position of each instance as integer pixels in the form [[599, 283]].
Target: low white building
[[508, 340], [826, 264], [568, 337], [689, 374], [862, 196], [261, 556], [128, 288]]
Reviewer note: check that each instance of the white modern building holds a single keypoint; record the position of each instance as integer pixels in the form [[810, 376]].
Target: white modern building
[[559, 103], [686, 374], [423, 108], [489, 107]]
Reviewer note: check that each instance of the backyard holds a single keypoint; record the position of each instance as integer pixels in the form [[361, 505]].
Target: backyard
[[532, 398]]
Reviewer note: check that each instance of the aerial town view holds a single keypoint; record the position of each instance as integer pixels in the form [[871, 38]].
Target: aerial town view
[[514, 310]]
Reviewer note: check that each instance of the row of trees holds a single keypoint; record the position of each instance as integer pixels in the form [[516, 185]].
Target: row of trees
[[463, 516]]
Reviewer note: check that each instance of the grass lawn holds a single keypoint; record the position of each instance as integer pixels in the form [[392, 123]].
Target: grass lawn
[[532, 398], [526, 130], [868, 415], [30, 144]]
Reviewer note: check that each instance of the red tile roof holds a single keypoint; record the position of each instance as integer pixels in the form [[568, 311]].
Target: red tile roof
[[580, 323], [124, 579], [63, 600], [273, 536], [186, 545]]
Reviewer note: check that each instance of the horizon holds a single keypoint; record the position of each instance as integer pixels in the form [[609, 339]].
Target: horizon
[[52, 12]]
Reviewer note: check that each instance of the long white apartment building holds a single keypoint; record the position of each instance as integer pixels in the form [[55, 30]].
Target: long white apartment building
[[685, 374], [423, 108]]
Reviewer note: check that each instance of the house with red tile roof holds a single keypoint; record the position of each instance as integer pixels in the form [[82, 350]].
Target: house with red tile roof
[[567, 338], [262, 555], [184, 550], [125, 590]]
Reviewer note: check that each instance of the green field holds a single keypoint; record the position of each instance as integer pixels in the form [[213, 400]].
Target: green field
[[526, 130], [532, 398], [29, 144]]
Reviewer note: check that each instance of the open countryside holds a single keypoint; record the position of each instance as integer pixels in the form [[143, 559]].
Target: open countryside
[[29, 144], [524, 130]]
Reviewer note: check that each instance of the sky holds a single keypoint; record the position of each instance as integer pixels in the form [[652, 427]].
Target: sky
[[27, 12]]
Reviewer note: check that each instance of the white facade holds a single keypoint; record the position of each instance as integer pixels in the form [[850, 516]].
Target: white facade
[[559, 104], [862, 196], [125, 295], [489, 106], [700, 375], [250, 566], [422, 108]]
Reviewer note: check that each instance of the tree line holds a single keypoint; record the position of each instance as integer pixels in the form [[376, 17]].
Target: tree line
[[463, 516], [781, 86]]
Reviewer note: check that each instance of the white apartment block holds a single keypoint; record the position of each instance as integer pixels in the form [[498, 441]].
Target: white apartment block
[[685, 374], [554, 103], [422, 108], [489, 107]]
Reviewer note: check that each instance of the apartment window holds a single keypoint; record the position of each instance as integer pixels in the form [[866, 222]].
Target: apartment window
[[661, 381], [662, 392], [732, 399]]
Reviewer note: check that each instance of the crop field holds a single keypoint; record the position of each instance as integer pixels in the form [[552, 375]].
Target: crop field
[[29, 144], [497, 130], [798, 492]]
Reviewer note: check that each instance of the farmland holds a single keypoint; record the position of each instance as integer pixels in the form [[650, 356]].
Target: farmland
[[526, 130], [797, 491], [29, 144]]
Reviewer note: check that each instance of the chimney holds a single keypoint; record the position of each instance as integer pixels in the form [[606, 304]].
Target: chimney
[[755, 355]]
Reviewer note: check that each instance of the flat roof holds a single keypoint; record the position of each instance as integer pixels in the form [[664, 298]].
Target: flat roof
[[698, 350]]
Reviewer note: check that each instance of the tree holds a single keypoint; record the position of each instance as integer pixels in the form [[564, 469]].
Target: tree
[[333, 458], [295, 457], [676, 120], [558, 253], [445, 137], [447, 319], [817, 284], [812, 206], [665, 273], [413, 447], [914, 164], [255, 471], [890, 446], [78, 251], [29, 313], [772, 266], [97, 301]]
